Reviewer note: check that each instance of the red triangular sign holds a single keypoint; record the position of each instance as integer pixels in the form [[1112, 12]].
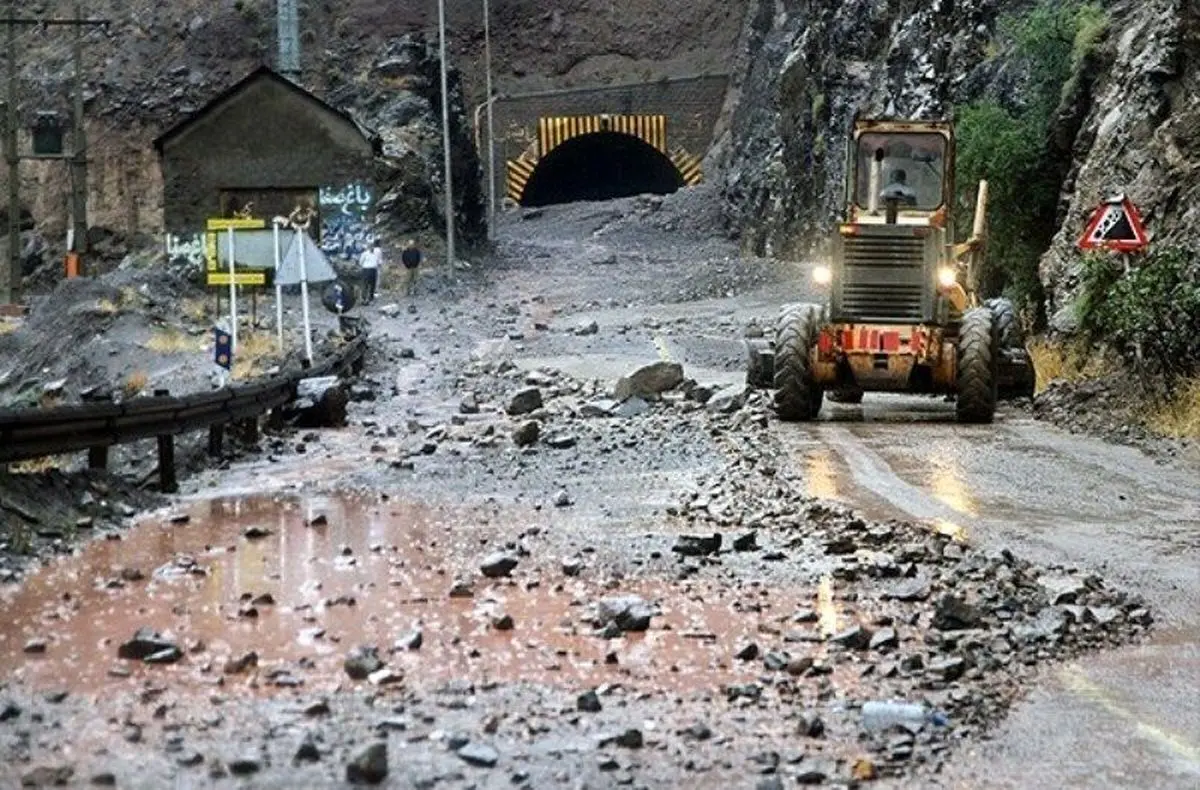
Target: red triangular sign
[[1115, 225]]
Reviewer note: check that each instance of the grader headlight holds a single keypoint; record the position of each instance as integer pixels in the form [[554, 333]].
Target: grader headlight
[[947, 276], [822, 275]]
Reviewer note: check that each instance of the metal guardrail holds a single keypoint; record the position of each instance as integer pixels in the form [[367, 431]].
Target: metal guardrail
[[34, 433]]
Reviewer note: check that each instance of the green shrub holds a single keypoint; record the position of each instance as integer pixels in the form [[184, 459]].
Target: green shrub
[[1008, 145], [1148, 313]]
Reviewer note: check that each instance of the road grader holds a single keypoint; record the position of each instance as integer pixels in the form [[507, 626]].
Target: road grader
[[901, 310]]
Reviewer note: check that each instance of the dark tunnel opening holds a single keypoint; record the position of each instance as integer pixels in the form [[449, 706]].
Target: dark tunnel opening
[[600, 166]]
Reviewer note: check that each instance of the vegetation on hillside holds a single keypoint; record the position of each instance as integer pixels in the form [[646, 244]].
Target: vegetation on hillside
[[1007, 144]]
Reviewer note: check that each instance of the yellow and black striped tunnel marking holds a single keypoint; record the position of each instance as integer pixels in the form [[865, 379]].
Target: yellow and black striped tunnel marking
[[553, 131]]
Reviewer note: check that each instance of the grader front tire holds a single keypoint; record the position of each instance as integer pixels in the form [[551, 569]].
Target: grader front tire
[[978, 367], [797, 398]]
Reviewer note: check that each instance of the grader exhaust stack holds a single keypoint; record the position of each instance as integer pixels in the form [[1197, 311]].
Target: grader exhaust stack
[[902, 312]]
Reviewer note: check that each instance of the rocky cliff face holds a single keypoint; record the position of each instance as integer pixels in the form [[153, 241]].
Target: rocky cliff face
[[1131, 124], [807, 69], [1140, 137]]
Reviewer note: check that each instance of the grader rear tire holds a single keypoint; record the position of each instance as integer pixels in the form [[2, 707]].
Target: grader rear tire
[[1008, 329], [797, 398], [978, 367]]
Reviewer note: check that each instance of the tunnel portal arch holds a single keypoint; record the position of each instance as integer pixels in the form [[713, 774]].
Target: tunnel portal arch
[[600, 166]]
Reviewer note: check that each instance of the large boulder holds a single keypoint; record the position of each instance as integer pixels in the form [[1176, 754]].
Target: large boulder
[[650, 381]]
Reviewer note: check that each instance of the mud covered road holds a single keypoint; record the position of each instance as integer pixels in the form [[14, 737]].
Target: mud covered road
[[561, 589]]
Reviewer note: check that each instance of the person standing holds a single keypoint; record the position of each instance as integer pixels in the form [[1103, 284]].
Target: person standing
[[411, 258], [369, 262]]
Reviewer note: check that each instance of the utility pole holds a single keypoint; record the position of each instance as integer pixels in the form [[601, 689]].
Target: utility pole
[[10, 270], [79, 167], [446, 136], [288, 31], [491, 131]]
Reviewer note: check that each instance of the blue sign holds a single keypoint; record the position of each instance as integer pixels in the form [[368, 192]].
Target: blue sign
[[223, 348]]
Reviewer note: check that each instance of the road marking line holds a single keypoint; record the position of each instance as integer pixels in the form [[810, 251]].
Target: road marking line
[[1075, 681], [661, 345], [826, 606]]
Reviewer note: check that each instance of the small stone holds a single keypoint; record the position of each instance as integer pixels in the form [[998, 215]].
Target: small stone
[[503, 623], [630, 408], [1061, 589], [361, 662], [910, 590], [524, 402], [479, 754], [561, 441], [697, 545], [812, 773], [498, 565], [9, 710], [587, 328], [35, 646], [369, 765], [104, 779], [319, 520], [562, 499], [318, 708], [385, 677], [588, 702], [413, 641], [572, 566], [527, 434], [244, 766], [747, 541], [48, 776], [144, 643], [168, 655], [884, 639], [954, 614], [462, 588], [698, 732], [799, 665], [630, 739], [650, 380], [628, 613], [236, 666], [855, 638], [810, 725], [747, 653], [255, 532], [774, 662], [307, 751], [949, 669], [469, 404]]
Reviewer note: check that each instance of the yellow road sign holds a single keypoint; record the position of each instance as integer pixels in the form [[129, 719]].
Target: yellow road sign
[[257, 277]]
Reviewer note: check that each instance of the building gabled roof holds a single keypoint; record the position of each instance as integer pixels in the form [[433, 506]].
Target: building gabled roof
[[265, 72]]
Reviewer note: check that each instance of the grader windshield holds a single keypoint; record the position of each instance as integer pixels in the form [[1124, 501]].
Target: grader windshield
[[908, 167]]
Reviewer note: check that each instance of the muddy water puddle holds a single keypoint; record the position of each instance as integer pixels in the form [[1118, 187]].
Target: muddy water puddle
[[303, 580]]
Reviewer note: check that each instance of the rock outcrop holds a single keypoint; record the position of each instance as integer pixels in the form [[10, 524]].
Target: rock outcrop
[[1127, 125]]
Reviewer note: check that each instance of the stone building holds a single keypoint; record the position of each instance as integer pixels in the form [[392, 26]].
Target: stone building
[[259, 149]]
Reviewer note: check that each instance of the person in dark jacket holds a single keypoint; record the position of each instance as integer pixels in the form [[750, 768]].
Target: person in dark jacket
[[410, 257]]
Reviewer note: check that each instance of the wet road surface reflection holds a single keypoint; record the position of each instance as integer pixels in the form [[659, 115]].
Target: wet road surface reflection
[[329, 574]]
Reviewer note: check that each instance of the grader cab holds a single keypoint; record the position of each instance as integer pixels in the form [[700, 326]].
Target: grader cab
[[901, 312]]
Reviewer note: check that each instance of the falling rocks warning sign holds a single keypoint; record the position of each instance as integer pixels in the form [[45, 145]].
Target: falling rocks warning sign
[[1115, 225]]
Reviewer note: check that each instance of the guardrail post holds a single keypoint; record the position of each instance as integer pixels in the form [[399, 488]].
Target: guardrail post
[[167, 482], [98, 458], [250, 430], [216, 439]]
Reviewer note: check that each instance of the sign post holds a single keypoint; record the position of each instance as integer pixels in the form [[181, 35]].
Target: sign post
[[278, 285], [233, 320], [303, 234]]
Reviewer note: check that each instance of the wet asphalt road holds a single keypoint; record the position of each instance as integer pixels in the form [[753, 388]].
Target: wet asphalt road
[[1124, 718]]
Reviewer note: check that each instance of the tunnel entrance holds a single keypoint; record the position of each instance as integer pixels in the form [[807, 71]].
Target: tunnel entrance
[[600, 166]]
